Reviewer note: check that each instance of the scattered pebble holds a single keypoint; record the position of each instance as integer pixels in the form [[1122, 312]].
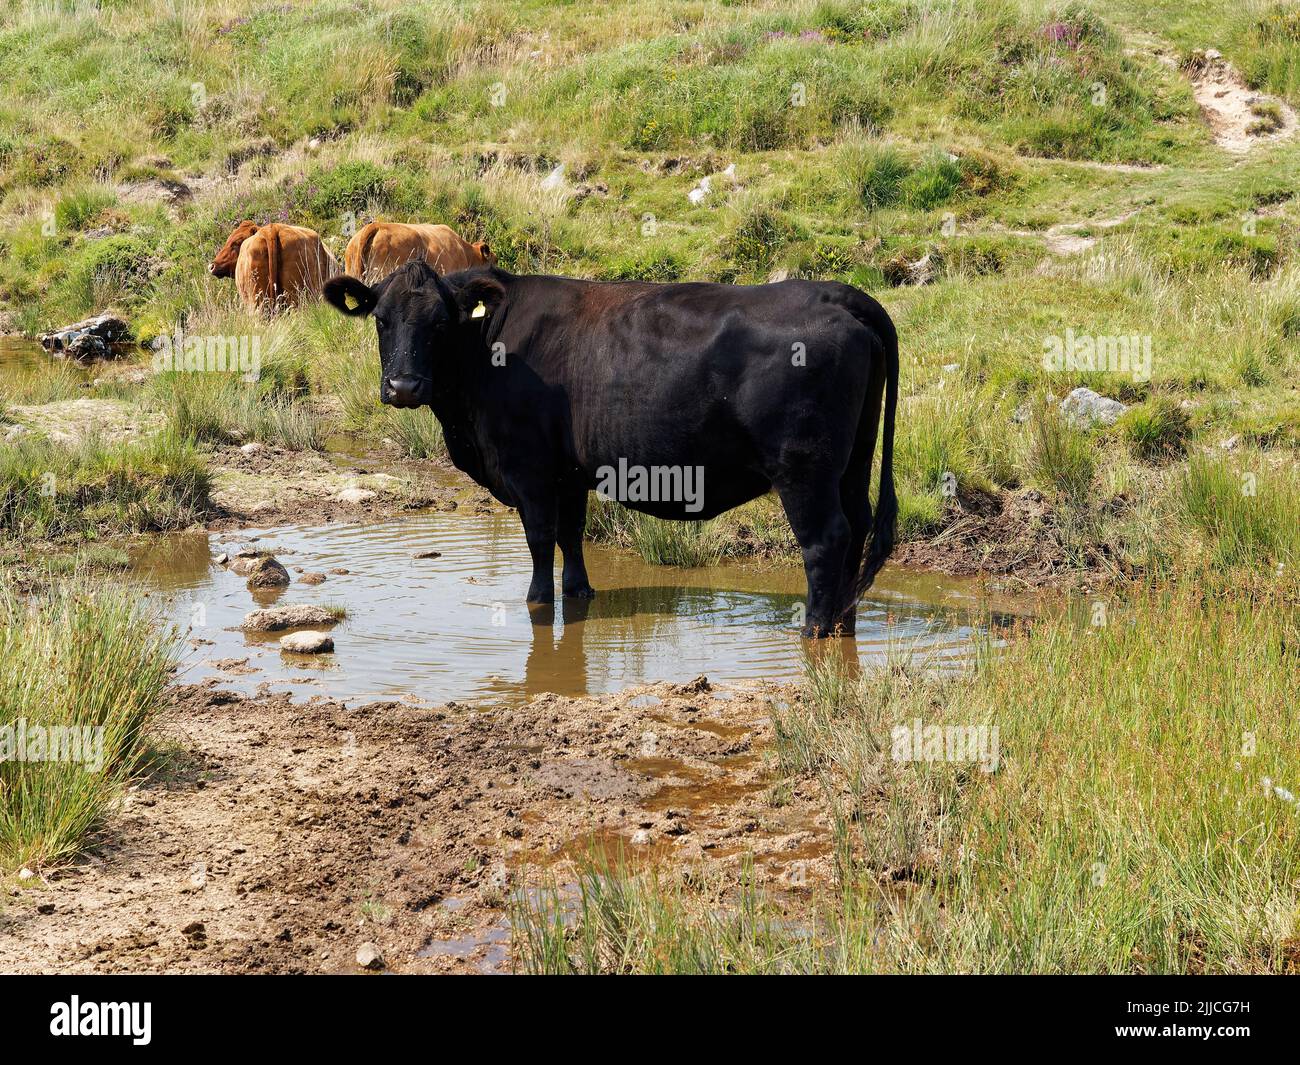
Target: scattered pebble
[[312, 578], [369, 957], [355, 495]]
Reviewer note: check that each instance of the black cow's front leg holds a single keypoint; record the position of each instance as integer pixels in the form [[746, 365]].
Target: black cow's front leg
[[572, 524], [539, 521]]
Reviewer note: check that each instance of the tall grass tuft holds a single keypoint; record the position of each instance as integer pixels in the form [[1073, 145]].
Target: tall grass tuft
[[1244, 518], [657, 541], [48, 489], [1061, 458], [84, 657]]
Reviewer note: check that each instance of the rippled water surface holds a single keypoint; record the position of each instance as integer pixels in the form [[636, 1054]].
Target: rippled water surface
[[456, 627]]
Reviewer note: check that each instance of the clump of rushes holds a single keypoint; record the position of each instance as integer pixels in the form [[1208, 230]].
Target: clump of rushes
[[1156, 429], [1061, 457], [88, 661], [47, 489]]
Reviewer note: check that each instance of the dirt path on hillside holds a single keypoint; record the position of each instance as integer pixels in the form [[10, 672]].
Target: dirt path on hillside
[[279, 837], [1238, 116]]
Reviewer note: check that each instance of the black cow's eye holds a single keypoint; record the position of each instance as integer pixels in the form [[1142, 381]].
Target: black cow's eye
[[380, 323]]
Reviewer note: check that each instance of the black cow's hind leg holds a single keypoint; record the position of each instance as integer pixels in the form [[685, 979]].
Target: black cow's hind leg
[[572, 523], [539, 518], [817, 518], [857, 509]]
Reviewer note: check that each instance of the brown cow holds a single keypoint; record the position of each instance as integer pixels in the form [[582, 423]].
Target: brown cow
[[381, 247], [275, 265]]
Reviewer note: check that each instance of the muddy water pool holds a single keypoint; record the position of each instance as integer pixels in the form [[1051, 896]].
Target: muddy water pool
[[456, 627]]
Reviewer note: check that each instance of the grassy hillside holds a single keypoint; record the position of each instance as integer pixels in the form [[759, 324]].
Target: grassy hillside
[[1042, 169]]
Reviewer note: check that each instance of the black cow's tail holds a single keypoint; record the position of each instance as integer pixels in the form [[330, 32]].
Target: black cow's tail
[[884, 529]]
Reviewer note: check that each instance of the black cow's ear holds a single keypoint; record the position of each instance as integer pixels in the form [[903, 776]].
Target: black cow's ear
[[479, 297], [338, 290]]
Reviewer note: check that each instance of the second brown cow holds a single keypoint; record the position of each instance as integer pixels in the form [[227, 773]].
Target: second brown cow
[[382, 247]]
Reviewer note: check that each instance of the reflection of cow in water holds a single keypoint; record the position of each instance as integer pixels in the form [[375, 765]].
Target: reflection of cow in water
[[274, 266], [542, 383]]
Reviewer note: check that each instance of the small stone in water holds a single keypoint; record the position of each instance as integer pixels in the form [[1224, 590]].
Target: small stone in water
[[308, 642]]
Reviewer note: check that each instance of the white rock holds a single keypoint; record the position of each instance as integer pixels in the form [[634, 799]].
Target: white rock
[[1084, 408], [698, 194], [307, 642], [355, 495], [368, 957], [251, 448], [25, 874], [1230, 443], [640, 837]]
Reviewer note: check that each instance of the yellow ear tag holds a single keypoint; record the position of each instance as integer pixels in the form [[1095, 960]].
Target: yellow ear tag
[[479, 311]]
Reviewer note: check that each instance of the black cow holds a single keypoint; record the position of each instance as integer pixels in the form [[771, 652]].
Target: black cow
[[544, 385]]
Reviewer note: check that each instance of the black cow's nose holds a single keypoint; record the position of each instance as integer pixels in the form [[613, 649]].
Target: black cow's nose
[[403, 391]]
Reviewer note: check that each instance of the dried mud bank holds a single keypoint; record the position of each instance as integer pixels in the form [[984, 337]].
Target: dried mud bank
[[275, 836], [1015, 539], [267, 485]]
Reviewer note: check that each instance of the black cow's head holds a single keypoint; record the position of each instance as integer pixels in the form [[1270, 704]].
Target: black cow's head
[[419, 317]]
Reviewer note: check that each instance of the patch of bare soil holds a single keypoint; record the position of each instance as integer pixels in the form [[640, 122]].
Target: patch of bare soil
[[1070, 238], [1238, 116], [264, 484], [69, 421], [1011, 535], [280, 836]]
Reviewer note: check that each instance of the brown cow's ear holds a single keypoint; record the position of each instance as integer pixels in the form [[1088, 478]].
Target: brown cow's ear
[[338, 290], [479, 297]]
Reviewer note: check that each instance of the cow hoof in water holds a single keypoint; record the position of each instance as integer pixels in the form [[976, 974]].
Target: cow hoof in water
[[580, 593]]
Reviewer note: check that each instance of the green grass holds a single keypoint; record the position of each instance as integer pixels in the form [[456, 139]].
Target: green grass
[[1061, 458], [1156, 429], [81, 657], [50, 490], [1243, 516], [659, 542]]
